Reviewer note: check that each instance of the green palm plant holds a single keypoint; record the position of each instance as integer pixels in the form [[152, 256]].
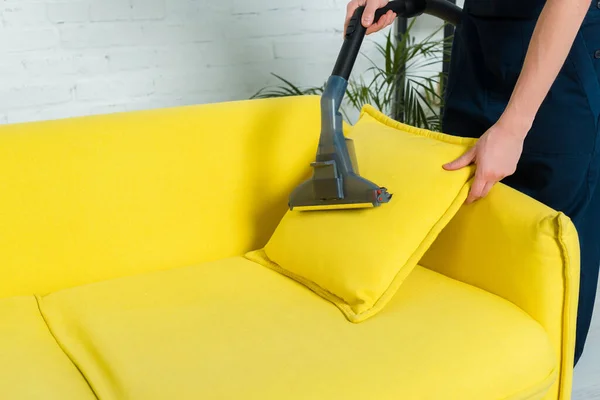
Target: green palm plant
[[405, 86]]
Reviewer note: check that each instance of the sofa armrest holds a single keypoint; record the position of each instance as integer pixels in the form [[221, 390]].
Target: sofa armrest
[[513, 246]]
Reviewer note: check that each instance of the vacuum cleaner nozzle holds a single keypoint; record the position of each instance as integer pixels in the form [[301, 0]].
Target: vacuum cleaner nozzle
[[354, 192], [336, 183]]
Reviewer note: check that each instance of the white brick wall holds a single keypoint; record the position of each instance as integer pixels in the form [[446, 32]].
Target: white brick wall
[[62, 58]]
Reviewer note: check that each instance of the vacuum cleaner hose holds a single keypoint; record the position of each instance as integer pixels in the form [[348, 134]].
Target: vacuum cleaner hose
[[445, 10], [355, 31]]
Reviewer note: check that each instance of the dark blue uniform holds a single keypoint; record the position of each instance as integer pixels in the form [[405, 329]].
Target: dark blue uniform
[[560, 164]]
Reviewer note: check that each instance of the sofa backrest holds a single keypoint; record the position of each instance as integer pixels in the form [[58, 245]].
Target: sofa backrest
[[98, 197]]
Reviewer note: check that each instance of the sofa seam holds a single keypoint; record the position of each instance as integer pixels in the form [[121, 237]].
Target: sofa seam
[[394, 124], [266, 261], [566, 297], [559, 369], [62, 348]]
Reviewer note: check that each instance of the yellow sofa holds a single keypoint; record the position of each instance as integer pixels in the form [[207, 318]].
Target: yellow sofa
[[123, 276]]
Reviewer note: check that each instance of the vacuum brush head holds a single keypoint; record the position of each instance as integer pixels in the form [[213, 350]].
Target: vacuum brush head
[[354, 192]]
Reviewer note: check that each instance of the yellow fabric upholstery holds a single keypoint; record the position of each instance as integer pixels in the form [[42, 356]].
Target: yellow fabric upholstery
[[93, 198], [515, 247], [357, 259], [126, 203], [232, 329], [32, 365]]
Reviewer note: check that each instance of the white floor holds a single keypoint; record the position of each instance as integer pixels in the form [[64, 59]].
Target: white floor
[[587, 373]]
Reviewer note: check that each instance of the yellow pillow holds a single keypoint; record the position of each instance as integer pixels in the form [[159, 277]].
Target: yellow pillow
[[357, 259]]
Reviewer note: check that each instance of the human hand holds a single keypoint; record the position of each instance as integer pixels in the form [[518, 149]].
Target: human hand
[[496, 155], [369, 15]]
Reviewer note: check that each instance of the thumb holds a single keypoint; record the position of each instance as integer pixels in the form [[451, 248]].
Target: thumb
[[462, 161], [369, 13]]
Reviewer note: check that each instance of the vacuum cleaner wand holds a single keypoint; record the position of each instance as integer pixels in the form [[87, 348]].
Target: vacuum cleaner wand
[[336, 183]]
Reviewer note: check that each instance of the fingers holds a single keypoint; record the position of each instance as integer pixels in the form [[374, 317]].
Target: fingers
[[477, 189], [487, 188], [368, 18], [481, 188], [369, 13], [386, 20], [483, 181], [479, 192], [461, 162]]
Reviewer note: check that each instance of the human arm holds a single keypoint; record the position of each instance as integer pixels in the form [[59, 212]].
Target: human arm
[[499, 149], [551, 42]]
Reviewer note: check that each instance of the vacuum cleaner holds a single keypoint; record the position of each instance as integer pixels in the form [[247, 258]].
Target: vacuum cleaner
[[336, 183]]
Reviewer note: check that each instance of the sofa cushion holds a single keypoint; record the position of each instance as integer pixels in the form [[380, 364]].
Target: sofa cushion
[[232, 329], [338, 254], [32, 365]]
